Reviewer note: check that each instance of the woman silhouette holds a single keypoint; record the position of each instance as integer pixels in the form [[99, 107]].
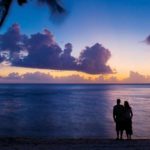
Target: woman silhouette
[[128, 119]]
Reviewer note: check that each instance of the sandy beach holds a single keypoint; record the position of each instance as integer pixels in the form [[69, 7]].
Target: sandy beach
[[72, 144]]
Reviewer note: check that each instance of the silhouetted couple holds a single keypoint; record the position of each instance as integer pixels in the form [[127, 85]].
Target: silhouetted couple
[[123, 118]]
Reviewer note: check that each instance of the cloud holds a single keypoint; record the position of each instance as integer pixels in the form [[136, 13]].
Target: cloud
[[36, 77], [13, 76], [11, 43], [43, 52], [2, 58], [135, 77], [93, 60], [12, 40], [67, 61], [40, 50], [39, 77], [147, 40]]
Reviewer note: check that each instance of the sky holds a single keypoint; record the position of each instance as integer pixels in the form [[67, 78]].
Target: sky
[[93, 39]]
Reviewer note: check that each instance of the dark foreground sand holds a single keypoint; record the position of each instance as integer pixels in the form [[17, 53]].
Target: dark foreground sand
[[72, 144]]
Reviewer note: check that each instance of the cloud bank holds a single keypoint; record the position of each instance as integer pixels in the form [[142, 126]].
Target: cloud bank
[[40, 50], [39, 77]]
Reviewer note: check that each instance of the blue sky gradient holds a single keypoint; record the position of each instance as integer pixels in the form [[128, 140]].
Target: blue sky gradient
[[119, 25]]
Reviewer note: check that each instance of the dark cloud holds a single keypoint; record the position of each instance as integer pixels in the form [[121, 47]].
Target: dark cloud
[[93, 60], [43, 52], [147, 40], [12, 40], [40, 50], [2, 57], [67, 61], [11, 43]]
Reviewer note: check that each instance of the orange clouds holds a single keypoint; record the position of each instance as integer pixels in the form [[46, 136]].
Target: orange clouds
[[51, 77]]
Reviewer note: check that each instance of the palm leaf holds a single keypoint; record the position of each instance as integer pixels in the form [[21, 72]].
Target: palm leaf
[[4, 9], [5, 6]]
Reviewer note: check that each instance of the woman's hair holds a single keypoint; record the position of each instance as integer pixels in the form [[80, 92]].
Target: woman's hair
[[126, 104]]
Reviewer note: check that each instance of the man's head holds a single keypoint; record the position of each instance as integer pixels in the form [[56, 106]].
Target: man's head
[[118, 101]]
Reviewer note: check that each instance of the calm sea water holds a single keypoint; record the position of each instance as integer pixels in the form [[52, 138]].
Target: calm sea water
[[40, 110]]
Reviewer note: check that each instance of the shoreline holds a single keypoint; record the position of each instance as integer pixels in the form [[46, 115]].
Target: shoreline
[[25, 143]]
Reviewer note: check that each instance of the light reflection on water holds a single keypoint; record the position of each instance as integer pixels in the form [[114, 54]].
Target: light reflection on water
[[70, 110]]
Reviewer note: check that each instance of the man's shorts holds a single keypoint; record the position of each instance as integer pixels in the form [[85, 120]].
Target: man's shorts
[[119, 125]]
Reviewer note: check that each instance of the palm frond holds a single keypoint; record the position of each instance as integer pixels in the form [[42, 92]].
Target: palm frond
[[5, 6], [4, 9], [21, 2], [54, 5]]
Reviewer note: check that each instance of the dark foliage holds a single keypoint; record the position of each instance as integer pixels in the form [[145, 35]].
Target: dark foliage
[[6, 4]]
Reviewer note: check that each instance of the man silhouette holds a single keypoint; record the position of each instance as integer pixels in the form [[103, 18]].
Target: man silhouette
[[118, 114]]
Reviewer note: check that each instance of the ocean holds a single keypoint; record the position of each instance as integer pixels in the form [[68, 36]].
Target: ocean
[[70, 111]]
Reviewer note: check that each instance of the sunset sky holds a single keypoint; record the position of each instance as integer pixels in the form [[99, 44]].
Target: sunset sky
[[116, 33]]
